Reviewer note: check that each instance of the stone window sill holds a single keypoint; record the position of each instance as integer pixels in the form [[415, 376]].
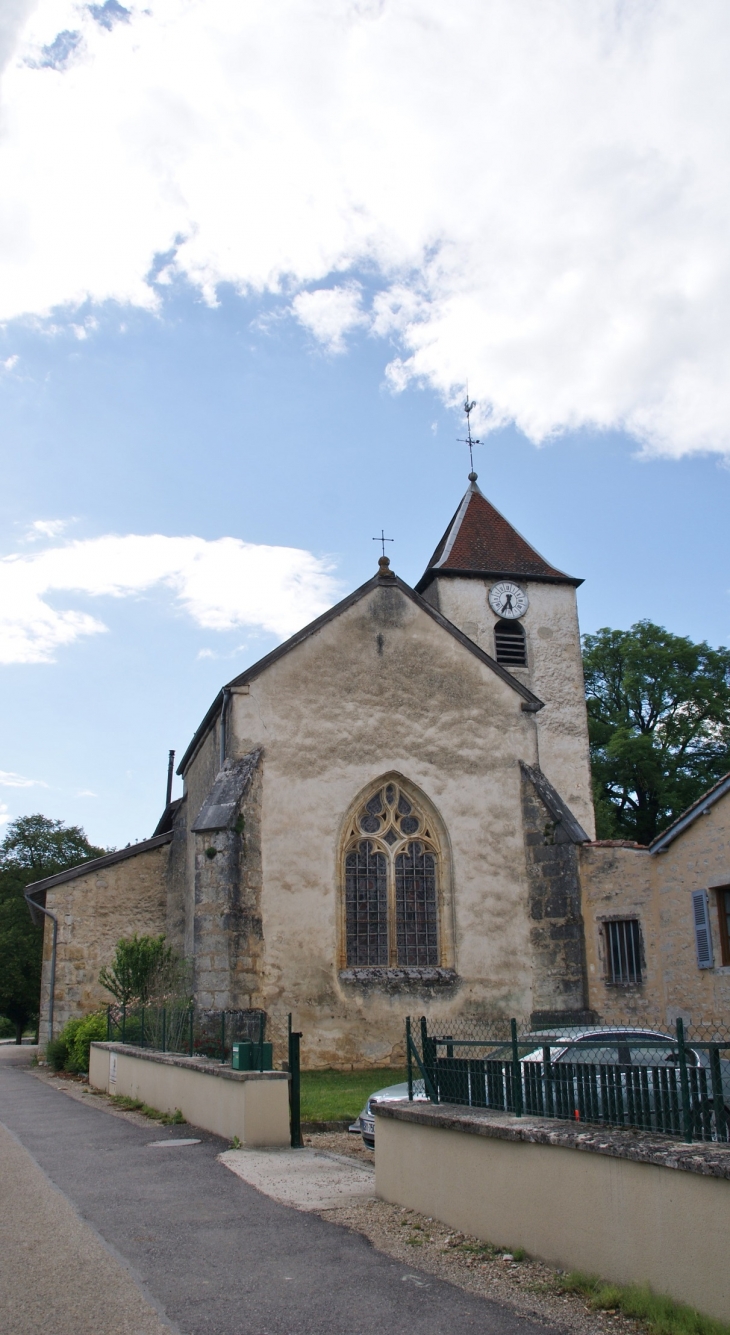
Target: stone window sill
[[399, 979]]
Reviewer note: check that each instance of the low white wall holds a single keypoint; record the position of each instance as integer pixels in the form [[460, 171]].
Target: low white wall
[[576, 1209], [249, 1104]]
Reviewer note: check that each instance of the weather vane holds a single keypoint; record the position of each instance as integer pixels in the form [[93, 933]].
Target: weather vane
[[382, 539], [469, 439]]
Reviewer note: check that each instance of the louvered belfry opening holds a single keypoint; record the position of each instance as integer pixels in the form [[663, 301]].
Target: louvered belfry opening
[[509, 644], [391, 884]]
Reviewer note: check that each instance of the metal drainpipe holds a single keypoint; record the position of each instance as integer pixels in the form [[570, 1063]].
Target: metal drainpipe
[[224, 706], [32, 904]]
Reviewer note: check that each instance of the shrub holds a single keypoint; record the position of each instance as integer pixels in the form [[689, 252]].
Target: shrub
[[7, 1028], [58, 1050], [92, 1029], [70, 1050]]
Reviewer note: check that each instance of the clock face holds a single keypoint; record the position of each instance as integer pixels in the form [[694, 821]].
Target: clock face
[[508, 600]]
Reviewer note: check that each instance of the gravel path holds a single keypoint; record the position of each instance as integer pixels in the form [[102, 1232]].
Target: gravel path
[[529, 1287]]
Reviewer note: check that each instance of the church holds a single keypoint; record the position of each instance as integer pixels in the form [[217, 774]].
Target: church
[[389, 814]]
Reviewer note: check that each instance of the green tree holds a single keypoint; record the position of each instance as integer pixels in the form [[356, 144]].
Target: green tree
[[137, 964], [659, 723], [33, 847]]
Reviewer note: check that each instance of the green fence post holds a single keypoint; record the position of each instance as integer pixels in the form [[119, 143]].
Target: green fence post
[[409, 1056], [684, 1082], [516, 1073], [192, 1048], [164, 1029], [223, 1038], [141, 1032], [295, 1090], [547, 1068], [717, 1094], [428, 1047], [262, 1022]]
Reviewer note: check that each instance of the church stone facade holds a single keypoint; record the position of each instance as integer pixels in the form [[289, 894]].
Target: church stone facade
[[385, 815]]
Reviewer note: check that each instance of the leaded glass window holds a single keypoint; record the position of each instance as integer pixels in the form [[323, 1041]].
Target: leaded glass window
[[391, 883], [416, 908], [366, 897]]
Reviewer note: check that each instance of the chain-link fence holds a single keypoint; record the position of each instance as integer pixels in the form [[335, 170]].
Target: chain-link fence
[[673, 1080], [188, 1030]]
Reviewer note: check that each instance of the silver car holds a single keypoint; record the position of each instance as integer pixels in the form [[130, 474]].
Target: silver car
[[365, 1123]]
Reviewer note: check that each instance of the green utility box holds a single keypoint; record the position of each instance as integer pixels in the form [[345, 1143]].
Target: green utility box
[[247, 1056]]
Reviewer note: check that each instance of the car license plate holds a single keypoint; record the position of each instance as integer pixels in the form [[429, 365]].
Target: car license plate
[[367, 1126]]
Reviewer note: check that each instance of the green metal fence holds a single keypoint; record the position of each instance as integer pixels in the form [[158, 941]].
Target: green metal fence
[[666, 1081], [188, 1030]]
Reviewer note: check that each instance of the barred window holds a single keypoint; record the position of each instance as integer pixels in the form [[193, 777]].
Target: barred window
[[623, 951], [509, 644], [391, 883]]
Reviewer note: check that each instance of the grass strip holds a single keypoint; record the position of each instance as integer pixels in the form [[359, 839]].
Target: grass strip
[[136, 1105], [663, 1316], [335, 1096]]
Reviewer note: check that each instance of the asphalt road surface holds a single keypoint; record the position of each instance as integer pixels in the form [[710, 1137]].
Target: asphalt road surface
[[102, 1233]]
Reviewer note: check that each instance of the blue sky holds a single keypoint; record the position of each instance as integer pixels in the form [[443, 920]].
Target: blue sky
[[291, 384]]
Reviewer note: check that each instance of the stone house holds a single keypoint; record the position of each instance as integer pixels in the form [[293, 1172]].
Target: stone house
[[391, 813], [656, 920]]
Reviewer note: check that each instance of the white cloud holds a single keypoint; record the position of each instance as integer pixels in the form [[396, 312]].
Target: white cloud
[[10, 780], [329, 313], [4, 813], [540, 189], [10, 363], [46, 528], [221, 585]]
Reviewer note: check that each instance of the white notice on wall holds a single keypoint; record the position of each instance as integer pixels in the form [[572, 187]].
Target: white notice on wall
[[112, 1068]]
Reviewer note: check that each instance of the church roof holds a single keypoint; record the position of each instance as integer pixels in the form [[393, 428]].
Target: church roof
[[480, 541], [35, 892], [530, 702]]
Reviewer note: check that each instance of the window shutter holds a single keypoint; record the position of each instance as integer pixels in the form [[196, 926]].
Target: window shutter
[[703, 936]]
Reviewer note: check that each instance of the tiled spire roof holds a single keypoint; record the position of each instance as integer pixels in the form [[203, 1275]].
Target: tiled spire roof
[[480, 541]]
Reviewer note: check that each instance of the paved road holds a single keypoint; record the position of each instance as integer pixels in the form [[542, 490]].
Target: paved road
[[211, 1253]]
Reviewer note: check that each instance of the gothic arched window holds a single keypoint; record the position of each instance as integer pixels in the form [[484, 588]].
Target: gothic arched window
[[391, 883], [509, 644]]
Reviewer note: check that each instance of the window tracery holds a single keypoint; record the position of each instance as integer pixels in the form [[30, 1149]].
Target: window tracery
[[391, 883]]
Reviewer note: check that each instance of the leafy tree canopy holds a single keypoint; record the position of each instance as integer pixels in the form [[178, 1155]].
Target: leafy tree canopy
[[659, 723], [138, 963], [33, 847], [42, 847]]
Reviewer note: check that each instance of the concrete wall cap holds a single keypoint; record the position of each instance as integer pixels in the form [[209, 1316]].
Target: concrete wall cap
[[705, 1158]]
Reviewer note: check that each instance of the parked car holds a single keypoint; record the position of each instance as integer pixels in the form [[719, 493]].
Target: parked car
[[644, 1090], [365, 1123]]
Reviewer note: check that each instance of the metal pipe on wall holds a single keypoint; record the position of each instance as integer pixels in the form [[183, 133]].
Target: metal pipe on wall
[[170, 765], [224, 707], [32, 904]]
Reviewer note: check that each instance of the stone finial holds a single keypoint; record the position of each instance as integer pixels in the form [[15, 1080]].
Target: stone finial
[[384, 570]]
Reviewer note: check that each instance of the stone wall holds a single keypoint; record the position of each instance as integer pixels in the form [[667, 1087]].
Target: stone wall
[[94, 910], [554, 672], [556, 931], [228, 933], [382, 690], [656, 888]]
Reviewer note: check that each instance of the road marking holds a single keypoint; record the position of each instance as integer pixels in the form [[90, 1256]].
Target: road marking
[[162, 1144]]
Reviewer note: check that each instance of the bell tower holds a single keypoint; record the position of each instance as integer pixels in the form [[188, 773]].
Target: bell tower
[[487, 579]]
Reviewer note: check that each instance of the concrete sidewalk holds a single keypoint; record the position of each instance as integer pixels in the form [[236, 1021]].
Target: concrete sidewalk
[[188, 1237]]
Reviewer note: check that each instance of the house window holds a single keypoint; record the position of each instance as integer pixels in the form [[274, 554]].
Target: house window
[[623, 951], [509, 644], [723, 913], [391, 876]]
